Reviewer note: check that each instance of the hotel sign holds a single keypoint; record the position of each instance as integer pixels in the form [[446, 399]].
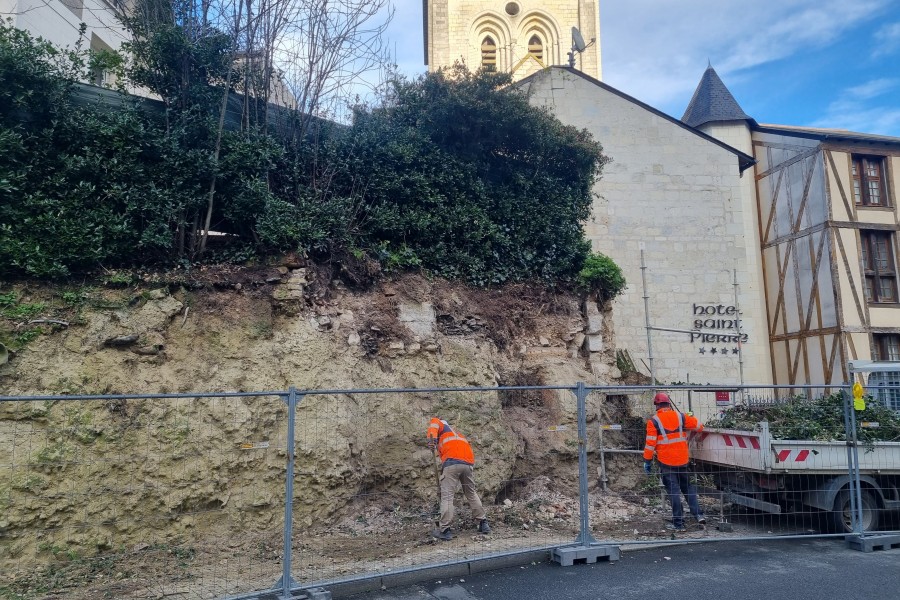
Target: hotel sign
[[717, 326]]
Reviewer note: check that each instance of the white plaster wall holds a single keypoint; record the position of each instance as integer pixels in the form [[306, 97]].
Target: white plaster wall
[[799, 297], [734, 133], [737, 134], [53, 21], [681, 195]]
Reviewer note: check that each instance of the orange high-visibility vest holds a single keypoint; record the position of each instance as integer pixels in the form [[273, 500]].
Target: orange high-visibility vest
[[666, 436], [451, 445]]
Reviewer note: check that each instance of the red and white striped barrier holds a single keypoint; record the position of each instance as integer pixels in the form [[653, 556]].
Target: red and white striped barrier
[[798, 455]]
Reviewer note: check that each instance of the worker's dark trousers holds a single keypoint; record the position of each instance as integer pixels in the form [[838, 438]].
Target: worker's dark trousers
[[677, 481]]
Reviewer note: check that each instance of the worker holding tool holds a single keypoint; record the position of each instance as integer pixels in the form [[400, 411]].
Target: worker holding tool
[[667, 439], [457, 462]]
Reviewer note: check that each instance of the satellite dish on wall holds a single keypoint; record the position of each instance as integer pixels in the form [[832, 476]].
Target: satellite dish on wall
[[577, 41], [578, 45]]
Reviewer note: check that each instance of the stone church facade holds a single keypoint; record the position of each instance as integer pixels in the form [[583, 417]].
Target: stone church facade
[[517, 36]]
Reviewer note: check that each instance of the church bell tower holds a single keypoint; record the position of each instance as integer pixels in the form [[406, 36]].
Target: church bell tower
[[516, 36]]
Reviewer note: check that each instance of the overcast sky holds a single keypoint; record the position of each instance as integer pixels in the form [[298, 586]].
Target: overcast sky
[[821, 63]]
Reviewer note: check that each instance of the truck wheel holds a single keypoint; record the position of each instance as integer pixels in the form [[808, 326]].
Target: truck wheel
[[841, 518]]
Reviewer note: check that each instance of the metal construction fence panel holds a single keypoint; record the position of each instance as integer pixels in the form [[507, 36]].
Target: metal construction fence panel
[[141, 497], [240, 495], [770, 462], [386, 481]]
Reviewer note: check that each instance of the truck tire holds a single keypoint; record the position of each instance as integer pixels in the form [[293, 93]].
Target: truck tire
[[841, 519]]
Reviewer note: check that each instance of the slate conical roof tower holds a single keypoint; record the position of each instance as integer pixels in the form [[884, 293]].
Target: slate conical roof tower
[[712, 102]]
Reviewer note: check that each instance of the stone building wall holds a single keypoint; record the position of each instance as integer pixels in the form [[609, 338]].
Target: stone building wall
[[680, 195]]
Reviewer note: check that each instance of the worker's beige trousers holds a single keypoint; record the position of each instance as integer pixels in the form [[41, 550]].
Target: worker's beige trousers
[[452, 476]]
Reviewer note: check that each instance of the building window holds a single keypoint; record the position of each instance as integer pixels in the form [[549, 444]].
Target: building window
[[868, 181], [489, 54], [887, 346], [878, 262], [536, 48], [100, 56]]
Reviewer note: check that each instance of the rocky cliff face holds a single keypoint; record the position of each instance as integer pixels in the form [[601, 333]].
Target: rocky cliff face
[[100, 474]]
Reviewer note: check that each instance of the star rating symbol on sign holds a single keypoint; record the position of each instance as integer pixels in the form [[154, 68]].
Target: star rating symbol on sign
[[719, 351]]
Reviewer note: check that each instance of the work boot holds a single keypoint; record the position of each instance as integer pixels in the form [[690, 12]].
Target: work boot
[[483, 526], [444, 535], [701, 520], [672, 527]]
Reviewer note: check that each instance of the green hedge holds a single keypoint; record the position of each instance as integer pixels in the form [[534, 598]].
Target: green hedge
[[454, 172]]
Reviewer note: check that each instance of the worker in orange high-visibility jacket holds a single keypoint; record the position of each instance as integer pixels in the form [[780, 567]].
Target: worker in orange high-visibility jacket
[[667, 438], [457, 468]]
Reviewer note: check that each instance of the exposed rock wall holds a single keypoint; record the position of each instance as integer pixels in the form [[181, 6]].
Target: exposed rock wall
[[108, 474]]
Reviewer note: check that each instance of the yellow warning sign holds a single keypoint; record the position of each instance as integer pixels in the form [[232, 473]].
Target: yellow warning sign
[[558, 428], [613, 426], [858, 391]]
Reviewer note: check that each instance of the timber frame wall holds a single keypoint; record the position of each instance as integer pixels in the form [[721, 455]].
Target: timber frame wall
[[818, 316]]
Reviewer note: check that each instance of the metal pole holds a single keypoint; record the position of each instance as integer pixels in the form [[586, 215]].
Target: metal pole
[[286, 580], [603, 478], [647, 317], [847, 410], [737, 326], [690, 405], [584, 534], [856, 475]]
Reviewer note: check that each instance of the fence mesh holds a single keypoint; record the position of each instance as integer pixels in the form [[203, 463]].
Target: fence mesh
[[185, 497], [141, 498], [770, 462], [387, 480]]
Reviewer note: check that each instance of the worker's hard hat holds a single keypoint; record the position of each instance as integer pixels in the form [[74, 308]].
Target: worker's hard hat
[[661, 398]]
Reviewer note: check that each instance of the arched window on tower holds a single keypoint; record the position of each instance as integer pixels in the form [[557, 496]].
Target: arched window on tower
[[536, 48], [489, 54]]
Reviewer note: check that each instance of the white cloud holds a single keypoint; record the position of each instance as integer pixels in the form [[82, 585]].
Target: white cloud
[[872, 89], [887, 40], [656, 50], [878, 120], [857, 109]]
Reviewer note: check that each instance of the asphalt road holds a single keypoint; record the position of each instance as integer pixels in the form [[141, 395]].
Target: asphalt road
[[772, 570]]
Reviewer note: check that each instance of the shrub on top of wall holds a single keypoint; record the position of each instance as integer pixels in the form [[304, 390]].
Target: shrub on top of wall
[[602, 275]]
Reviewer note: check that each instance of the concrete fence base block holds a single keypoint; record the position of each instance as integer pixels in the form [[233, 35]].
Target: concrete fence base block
[[314, 593], [873, 542], [570, 555]]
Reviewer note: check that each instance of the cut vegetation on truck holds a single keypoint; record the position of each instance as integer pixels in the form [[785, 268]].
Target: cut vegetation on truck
[[792, 456]]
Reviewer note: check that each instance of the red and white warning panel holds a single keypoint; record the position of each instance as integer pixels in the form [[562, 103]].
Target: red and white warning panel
[[795, 455], [741, 441], [757, 451]]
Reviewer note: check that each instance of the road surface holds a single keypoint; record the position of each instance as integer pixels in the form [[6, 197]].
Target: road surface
[[771, 570]]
